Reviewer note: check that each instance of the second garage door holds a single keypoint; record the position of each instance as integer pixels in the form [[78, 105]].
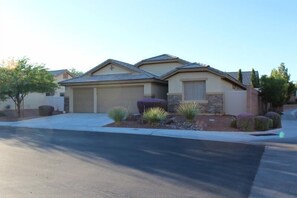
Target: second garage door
[[83, 100], [125, 96]]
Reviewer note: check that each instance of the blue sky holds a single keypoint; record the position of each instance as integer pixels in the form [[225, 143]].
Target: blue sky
[[226, 34]]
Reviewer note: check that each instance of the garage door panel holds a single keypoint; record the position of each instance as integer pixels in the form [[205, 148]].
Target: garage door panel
[[83, 100], [109, 97]]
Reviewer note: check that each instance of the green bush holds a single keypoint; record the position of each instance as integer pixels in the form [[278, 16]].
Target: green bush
[[270, 123], [154, 115], [118, 114], [262, 123], [245, 122], [189, 110], [276, 118]]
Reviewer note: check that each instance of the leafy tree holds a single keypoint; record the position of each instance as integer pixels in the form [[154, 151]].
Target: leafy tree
[[75, 72], [24, 78], [239, 76], [282, 73], [291, 90], [273, 90], [255, 79]]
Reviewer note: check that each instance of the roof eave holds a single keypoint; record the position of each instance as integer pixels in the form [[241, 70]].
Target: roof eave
[[113, 82], [202, 69], [179, 70]]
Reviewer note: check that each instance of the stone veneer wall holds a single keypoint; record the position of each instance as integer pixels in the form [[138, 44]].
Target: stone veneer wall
[[215, 103], [66, 104], [173, 101]]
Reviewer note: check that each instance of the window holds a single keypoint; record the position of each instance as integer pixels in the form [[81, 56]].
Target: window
[[49, 94], [194, 90], [62, 94]]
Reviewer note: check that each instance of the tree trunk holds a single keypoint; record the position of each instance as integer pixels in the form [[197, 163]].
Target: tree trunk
[[19, 109]]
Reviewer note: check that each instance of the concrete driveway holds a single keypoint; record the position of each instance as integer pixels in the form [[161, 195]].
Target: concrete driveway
[[69, 121]]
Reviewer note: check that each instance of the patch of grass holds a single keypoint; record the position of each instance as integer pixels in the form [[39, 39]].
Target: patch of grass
[[154, 115], [189, 110], [118, 114]]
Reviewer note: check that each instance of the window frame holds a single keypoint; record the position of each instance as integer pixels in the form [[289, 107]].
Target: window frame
[[203, 100]]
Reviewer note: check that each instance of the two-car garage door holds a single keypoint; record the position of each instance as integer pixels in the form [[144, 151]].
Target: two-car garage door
[[107, 98]]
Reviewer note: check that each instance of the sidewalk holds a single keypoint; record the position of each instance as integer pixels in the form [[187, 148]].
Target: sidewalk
[[277, 174]]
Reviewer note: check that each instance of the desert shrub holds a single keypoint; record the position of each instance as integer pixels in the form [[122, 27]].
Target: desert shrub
[[270, 123], [262, 123], [147, 103], [276, 118], [245, 122], [154, 115], [233, 123], [45, 110], [118, 114], [189, 110]]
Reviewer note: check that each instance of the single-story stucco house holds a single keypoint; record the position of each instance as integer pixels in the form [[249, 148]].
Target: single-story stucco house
[[34, 100], [115, 83]]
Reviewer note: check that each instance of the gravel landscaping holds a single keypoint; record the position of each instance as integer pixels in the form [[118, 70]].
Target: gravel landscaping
[[174, 121]]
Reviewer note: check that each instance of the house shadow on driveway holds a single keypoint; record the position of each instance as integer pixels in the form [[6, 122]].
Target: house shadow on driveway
[[202, 168]]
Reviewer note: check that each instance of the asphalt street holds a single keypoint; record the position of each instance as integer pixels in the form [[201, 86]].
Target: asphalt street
[[56, 163]]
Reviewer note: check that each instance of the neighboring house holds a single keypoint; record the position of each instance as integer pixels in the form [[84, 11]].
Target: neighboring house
[[34, 100], [246, 76], [115, 83]]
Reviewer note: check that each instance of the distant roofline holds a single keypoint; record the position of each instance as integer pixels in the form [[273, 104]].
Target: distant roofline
[[171, 59], [59, 72]]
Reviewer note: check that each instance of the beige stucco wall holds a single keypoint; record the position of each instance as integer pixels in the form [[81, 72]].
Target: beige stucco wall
[[213, 82], [111, 69], [235, 102], [31, 101], [159, 91], [160, 68], [226, 86]]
